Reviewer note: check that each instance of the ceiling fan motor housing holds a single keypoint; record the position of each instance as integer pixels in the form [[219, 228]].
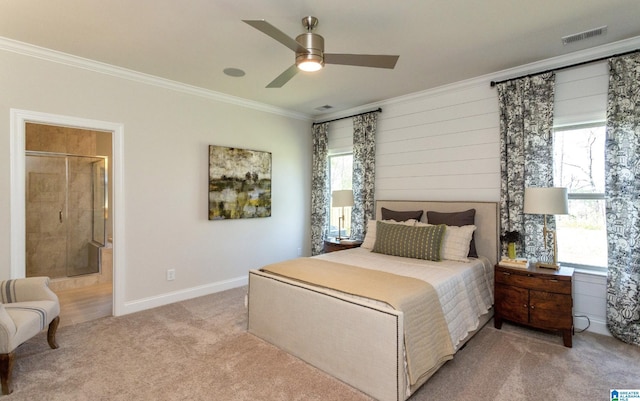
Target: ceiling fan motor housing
[[314, 44]]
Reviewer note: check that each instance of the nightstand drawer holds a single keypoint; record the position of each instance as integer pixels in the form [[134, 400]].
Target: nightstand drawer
[[533, 282]]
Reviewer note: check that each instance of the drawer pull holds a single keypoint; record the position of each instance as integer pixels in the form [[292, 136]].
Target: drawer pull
[[553, 280], [532, 307], [524, 306], [506, 274]]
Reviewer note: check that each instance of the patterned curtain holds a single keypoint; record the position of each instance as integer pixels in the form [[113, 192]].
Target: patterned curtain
[[319, 188], [622, 188], [526, 157], [364, 172]]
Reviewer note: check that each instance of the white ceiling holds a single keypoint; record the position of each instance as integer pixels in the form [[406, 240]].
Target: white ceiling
[[438, 41]]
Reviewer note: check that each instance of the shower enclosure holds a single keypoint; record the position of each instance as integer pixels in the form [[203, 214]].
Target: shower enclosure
[[66, 212]]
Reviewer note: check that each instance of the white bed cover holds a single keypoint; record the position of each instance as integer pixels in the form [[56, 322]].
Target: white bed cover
[[465, 289]]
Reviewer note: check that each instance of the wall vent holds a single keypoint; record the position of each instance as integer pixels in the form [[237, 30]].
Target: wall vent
[[584, 35]]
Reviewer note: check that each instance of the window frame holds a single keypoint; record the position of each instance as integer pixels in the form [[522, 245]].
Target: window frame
[[584, 196]]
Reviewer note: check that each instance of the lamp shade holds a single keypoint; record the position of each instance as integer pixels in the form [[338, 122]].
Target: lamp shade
[[552, 200], [342, 198]]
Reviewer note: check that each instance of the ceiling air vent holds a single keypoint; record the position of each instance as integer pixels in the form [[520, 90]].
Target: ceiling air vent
[[323, 108], [584, 35]]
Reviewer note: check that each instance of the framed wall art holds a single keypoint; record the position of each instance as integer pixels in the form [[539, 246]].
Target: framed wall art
[[239, 183]]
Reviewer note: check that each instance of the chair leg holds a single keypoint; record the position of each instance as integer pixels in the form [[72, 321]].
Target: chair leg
[[6, 371], [51, 333]]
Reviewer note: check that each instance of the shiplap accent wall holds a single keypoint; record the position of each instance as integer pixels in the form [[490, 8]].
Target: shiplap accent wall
[[444, 145]]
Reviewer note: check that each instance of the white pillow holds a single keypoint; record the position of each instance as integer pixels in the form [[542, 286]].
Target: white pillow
[[456, 241], [370, 236]]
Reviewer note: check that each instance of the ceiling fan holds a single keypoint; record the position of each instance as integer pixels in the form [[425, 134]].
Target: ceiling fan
[[310, 55]]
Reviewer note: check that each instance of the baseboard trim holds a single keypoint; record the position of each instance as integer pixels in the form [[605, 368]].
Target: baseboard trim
[[182, 295]]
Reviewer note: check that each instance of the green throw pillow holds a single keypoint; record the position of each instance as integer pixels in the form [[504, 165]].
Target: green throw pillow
[[408, 241]]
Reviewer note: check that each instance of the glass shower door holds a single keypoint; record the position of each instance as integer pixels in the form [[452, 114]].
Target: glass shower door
[[46, 225], [65, 214]]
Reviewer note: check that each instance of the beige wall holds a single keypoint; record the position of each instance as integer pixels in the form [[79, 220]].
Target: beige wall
[[165, 139]]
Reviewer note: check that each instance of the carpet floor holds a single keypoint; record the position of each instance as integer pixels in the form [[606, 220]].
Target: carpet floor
[[199, 350]]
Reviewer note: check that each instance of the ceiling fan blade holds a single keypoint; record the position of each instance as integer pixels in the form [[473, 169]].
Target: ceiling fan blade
[[268, 29], [284, 77], [362, 60]]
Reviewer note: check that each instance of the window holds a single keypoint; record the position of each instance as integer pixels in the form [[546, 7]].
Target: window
[[341, 173], [579, 166]]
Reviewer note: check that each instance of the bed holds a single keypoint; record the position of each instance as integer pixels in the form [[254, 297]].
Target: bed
[[365, 342]]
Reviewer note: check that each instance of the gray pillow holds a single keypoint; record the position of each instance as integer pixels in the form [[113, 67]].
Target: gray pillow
[[458, 219], [388, 214]]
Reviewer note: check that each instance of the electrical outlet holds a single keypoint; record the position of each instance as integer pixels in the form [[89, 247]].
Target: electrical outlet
[[171, 274]]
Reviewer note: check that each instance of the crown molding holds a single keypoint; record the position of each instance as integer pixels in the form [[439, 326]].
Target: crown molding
[[55, 56], [581, 56]]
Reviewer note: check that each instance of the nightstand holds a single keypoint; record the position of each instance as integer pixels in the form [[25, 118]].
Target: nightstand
[[535, 297], [332, 245]]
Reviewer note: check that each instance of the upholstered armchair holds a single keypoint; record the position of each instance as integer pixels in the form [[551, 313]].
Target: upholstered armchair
[[27, 307]]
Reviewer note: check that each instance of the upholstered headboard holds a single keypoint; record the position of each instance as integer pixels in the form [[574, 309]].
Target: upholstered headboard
[[487, 234]]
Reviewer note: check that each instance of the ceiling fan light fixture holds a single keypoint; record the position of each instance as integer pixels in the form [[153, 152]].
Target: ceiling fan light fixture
[[310, 65], [312, 59]]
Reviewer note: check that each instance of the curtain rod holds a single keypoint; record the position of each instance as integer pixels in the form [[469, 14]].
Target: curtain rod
[[494, 83], [378, 110]]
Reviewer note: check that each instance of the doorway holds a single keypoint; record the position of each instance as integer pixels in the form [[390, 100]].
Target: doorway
[[67, 217], [104, 253]]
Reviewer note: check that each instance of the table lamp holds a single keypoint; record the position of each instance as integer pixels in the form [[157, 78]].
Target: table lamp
[[551, 200], [342, 198]]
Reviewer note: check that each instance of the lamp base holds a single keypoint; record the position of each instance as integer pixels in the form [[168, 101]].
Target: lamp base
[[548, 266]]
